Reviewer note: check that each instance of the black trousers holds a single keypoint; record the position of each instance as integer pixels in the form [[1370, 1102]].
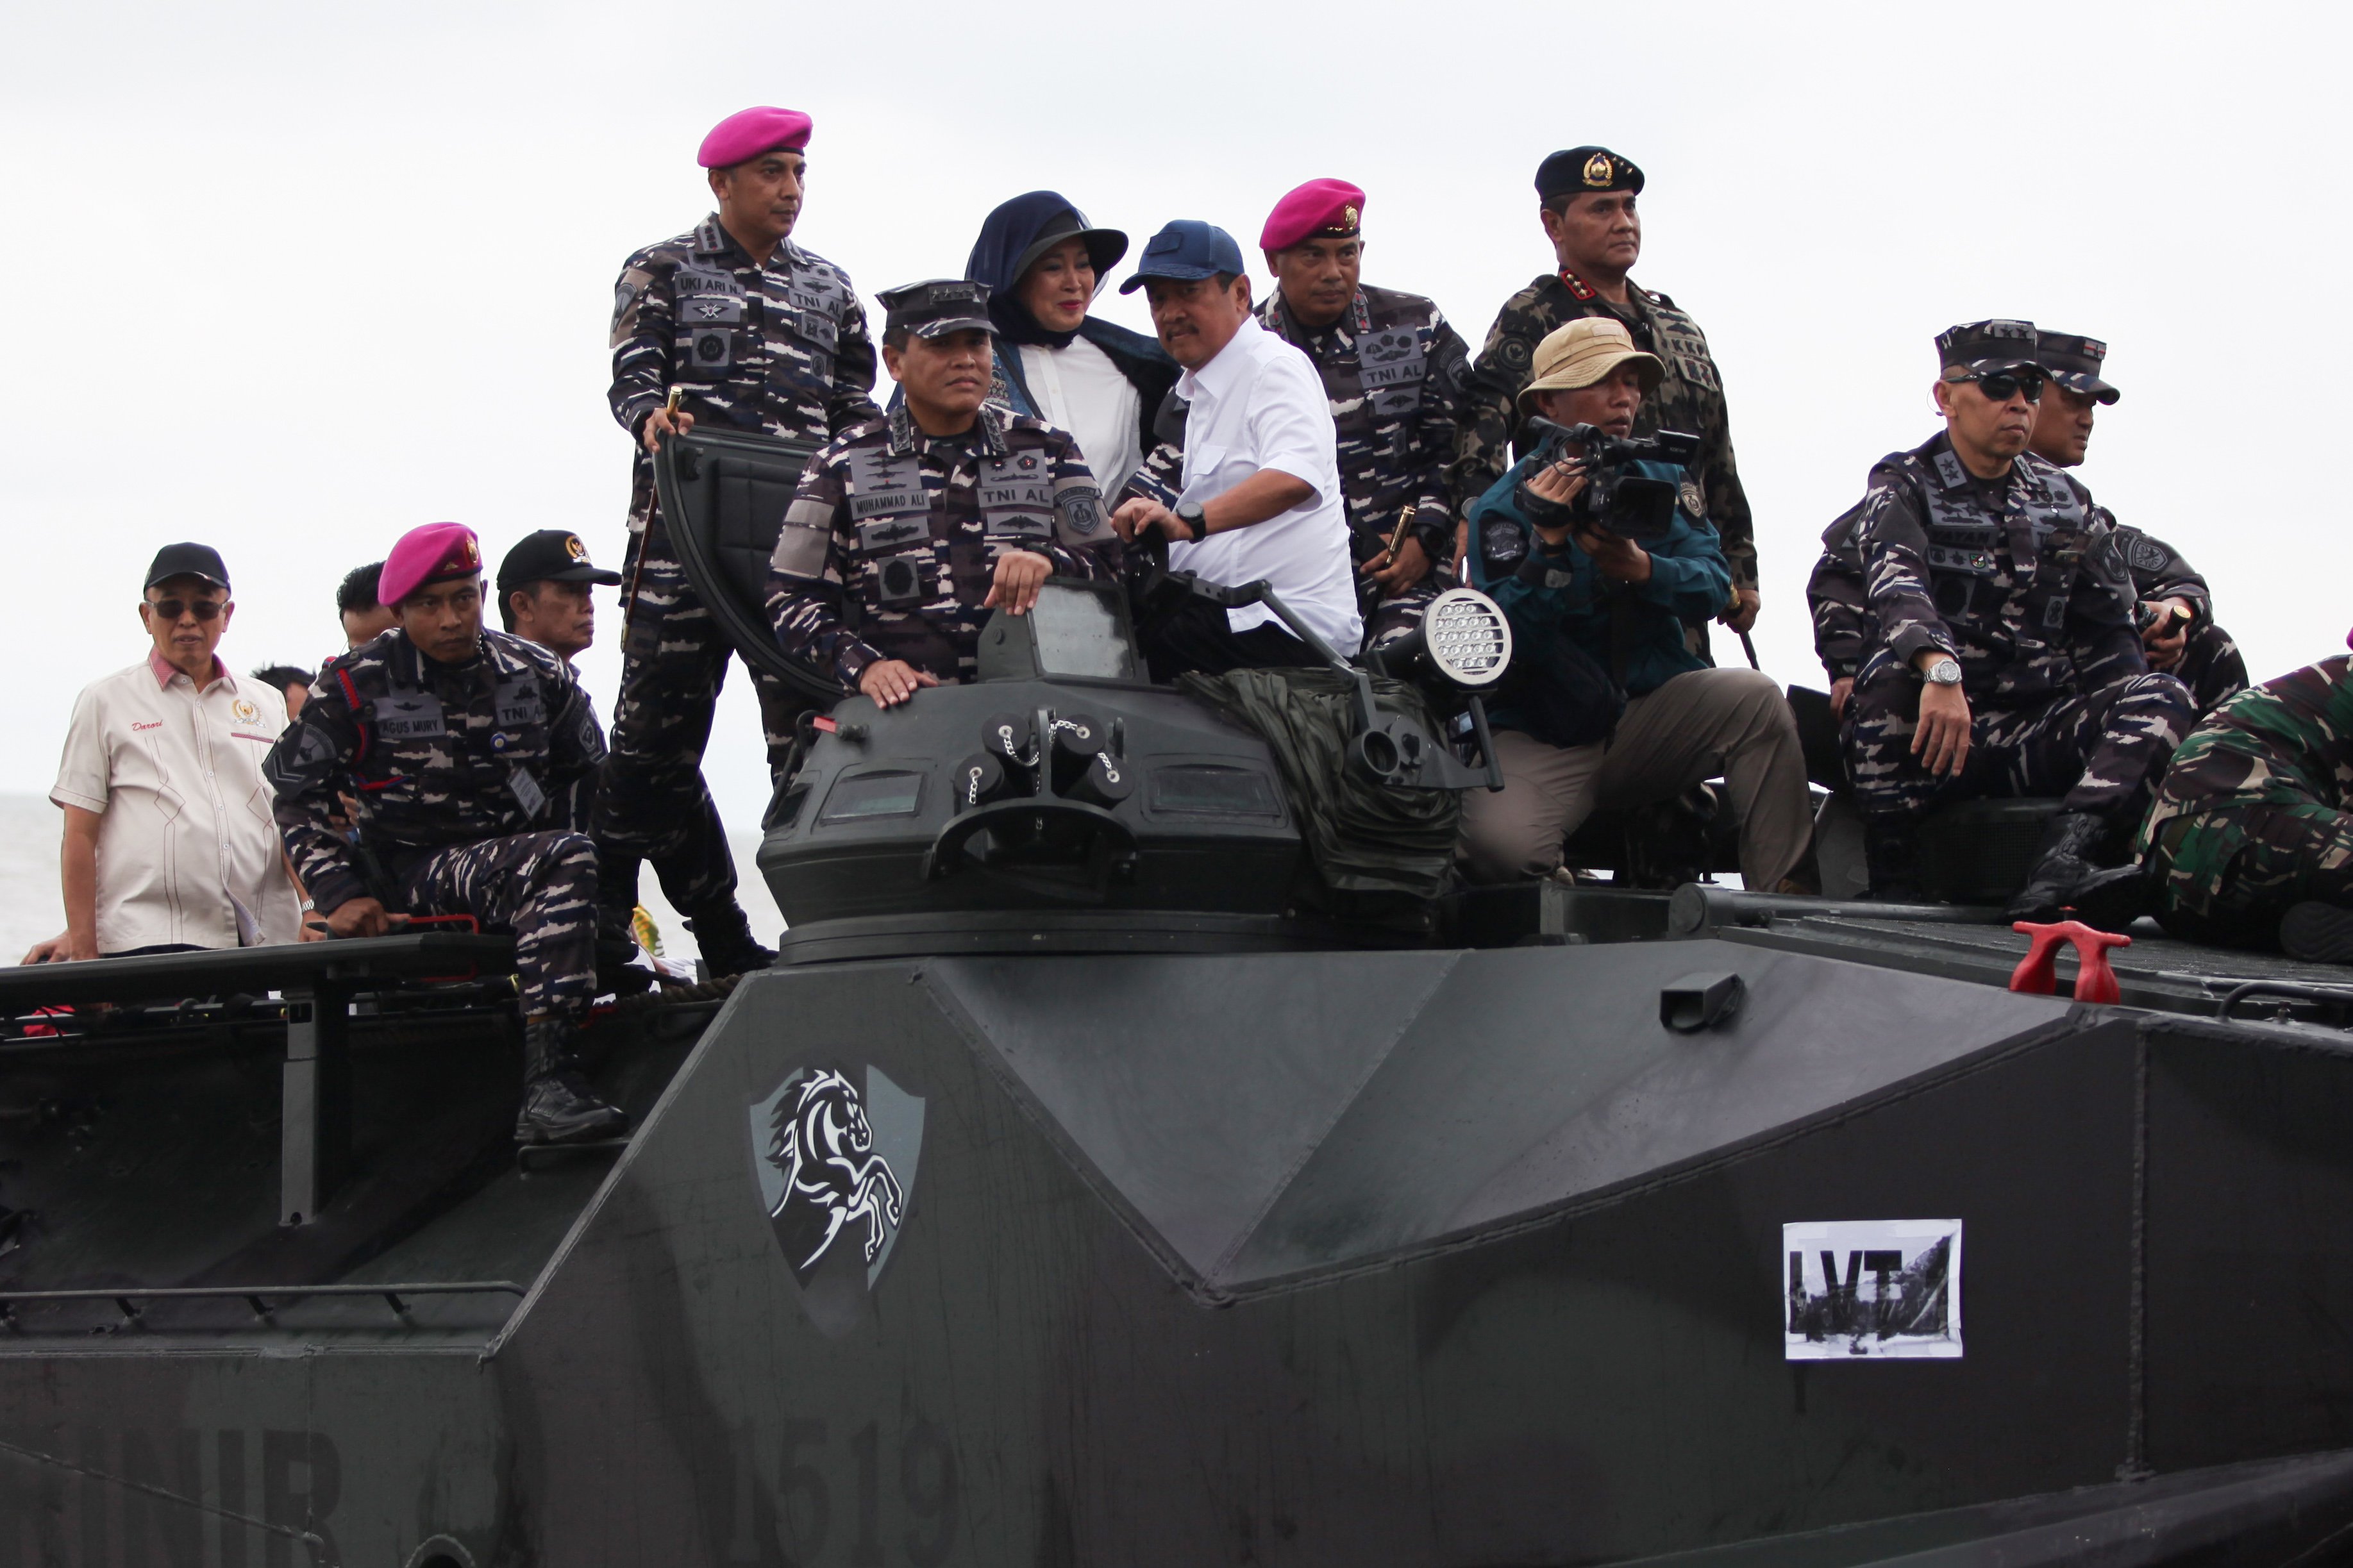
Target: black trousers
[[1195, 636]]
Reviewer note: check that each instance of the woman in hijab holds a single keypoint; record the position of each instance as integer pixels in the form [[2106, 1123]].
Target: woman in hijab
[[1100, 381]]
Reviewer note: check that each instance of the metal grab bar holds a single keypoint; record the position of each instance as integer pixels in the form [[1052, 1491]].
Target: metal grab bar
[[257, 1297]]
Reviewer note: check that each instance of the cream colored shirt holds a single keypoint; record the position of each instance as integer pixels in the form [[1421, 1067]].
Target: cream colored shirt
[[187, 851]]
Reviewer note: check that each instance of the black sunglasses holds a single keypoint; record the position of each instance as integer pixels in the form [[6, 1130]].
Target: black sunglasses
[[2002, 386], [173, 609]]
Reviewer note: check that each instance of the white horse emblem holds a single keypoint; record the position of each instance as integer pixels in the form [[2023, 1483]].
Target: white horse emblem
[[833, 1174]]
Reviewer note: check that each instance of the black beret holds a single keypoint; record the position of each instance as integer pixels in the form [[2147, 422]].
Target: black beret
[[1582, 169]]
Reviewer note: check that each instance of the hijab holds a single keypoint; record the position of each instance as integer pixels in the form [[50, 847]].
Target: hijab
[[1010, 242]]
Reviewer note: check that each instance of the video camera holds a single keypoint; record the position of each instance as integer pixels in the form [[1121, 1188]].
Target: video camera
[[1633, 506]]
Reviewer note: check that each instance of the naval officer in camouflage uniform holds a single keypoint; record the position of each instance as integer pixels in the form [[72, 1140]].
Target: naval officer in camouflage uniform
[[2176, 608], [1587, 194], [456, 741], [1396, 373], [2001, 657], [2250, 843], [910, 529], [756, 333]]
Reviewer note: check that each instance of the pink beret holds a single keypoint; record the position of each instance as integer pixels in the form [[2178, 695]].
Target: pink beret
[[1332, 207], [752, 131], [433, 554]]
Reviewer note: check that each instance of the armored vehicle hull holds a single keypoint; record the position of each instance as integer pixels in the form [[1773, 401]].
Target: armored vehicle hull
[[1448, 1255], [1070, 1194]]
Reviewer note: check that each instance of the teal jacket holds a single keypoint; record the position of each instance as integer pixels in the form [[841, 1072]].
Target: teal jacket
[[1558, 592]]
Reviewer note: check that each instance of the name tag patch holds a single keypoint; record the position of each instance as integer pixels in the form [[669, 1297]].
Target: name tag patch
[[410, 716], [882, 485]]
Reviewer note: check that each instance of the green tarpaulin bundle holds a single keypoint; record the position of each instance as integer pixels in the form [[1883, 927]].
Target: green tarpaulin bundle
[[1371, 845]]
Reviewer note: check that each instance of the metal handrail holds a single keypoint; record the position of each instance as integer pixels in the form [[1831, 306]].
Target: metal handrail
[[257, 1297], [2301, 991]]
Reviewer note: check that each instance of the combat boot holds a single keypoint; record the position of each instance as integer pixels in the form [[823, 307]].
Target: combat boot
[[2067, 860], [558, 1106], [2111, 900], [725, 939]]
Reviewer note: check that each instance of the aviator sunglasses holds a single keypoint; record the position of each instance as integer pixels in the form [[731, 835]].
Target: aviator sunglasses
[[173, 609], [2002, 386]]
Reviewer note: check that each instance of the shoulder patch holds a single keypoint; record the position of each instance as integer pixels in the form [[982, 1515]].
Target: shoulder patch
[[1693, 504], [1503, 542], [2147, 554], [1515, 352]]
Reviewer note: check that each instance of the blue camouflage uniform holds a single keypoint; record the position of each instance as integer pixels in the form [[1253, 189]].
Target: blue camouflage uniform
[[779, 348], [891, 543], [2012, 577], [459, 772]]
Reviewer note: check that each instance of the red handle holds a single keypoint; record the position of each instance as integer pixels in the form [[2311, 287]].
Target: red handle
[[2038, 971]]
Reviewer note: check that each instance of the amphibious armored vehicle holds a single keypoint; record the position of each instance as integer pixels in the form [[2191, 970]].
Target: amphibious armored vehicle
[[1068, 1194]]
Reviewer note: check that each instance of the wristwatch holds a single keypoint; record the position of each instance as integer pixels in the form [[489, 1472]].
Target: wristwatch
[[1946, 672], [1190, 514]]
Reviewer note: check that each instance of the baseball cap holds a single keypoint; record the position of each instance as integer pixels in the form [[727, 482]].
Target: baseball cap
[[187, 560], [550, 555], [1184, 250]]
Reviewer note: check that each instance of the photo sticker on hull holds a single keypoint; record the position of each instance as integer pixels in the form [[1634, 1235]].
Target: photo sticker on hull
[[1863, 1290]]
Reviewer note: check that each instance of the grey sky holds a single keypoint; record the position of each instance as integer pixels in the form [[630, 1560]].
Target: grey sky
[[292, 278]]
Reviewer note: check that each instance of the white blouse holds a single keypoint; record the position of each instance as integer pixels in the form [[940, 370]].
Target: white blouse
[[1082, 391]]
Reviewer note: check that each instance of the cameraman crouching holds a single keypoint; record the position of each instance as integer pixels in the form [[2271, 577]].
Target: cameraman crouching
[[1606, 706]]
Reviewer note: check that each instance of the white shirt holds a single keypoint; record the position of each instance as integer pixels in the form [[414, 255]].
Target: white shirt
[[187, 850], [1259, 405], [1080, 390]]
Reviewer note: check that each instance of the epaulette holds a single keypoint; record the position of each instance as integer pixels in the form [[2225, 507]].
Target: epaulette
[[1664, 302], [851, 435]]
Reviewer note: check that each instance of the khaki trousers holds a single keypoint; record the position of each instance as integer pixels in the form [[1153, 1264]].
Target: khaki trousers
[[1702, 724]]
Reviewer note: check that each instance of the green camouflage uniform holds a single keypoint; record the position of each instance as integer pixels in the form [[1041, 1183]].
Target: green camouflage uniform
[[1690, 398], [2251, 816]]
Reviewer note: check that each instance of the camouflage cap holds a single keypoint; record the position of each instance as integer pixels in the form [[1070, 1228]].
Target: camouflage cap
[[2074, 364], [936, 307], [1982, 346], [1582, 169]]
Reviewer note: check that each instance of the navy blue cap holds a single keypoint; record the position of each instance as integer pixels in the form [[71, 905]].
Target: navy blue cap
[[1186, 250]]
